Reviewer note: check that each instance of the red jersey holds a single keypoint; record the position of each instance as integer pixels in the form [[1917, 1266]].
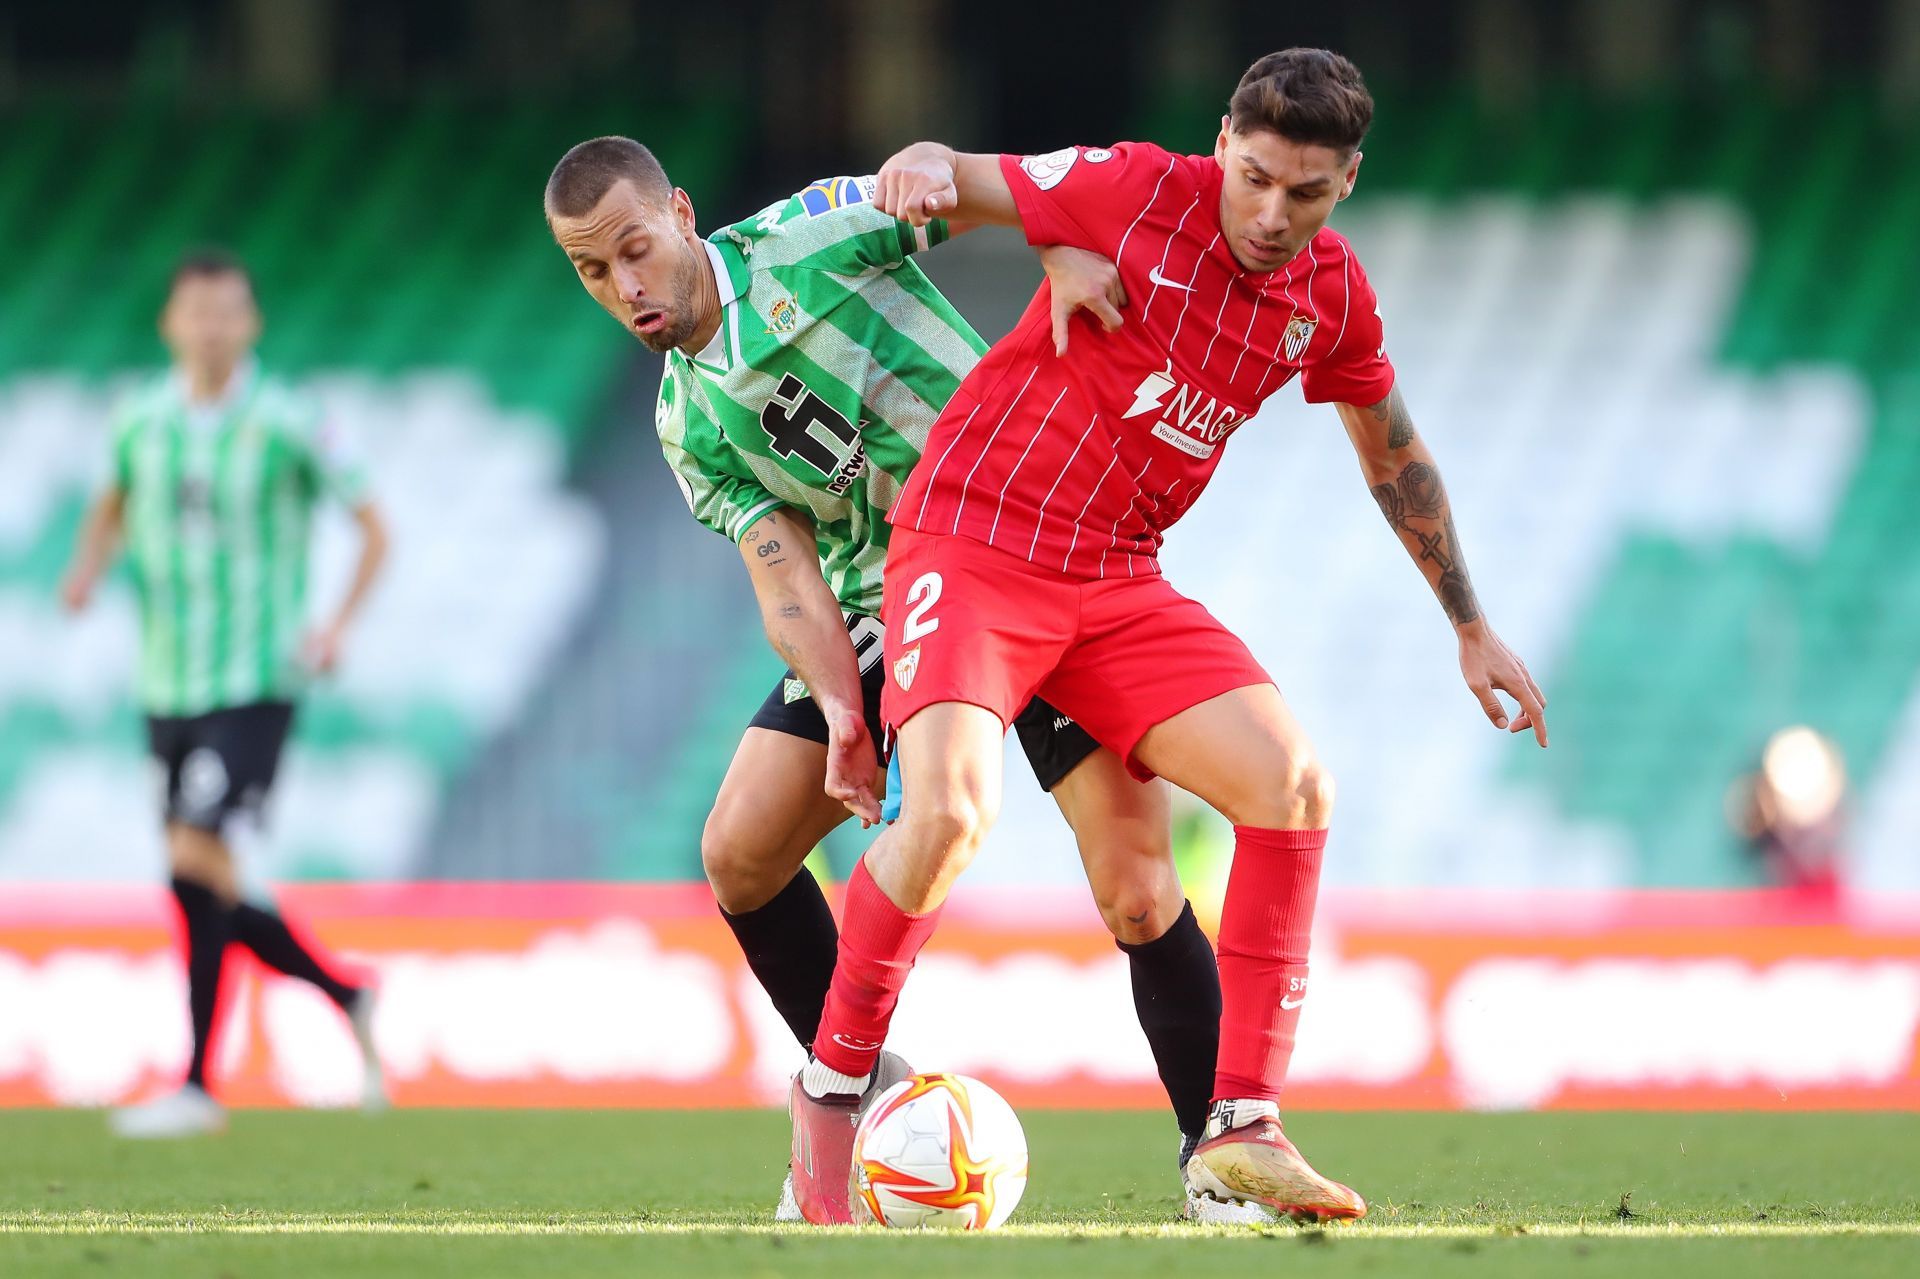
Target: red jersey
[[1081, 463]]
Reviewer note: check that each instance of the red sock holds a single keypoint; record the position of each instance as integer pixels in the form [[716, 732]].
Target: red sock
[[1265, 924], [878, 944]]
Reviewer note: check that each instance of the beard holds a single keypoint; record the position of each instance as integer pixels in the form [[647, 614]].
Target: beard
[[681, 321]]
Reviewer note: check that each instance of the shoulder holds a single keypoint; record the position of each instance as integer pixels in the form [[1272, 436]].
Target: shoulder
[[1339, 281], [150, 396], [286, 409], [1122, 163], [1335, 255], [816, 216]]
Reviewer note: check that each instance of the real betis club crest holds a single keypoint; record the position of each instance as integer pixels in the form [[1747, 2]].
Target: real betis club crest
[[1299, 333], [795, 690], [905, 667]]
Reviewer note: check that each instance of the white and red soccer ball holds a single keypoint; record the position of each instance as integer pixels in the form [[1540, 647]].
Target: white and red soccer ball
[[943, 1152]]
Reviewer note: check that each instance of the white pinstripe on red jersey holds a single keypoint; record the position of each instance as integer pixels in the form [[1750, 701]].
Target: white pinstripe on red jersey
[[1155, 415], [1000, 506], [1066, 470]]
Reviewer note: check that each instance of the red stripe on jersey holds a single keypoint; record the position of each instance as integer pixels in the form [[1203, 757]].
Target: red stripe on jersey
[[1159, 400]]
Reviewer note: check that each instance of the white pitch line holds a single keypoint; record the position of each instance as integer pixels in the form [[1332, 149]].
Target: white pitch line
[[76, 1224]]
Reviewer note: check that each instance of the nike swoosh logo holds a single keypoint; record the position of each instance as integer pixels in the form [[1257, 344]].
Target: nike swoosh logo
[[1157, 278], [1291, 1004], [855, 1045]]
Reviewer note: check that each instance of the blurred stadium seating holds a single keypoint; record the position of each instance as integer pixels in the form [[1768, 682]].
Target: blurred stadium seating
[[1681, 429]]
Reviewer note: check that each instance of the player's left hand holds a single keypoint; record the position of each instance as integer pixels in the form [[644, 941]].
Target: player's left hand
[[1488, 664], [852, 765], [320, 650], [917, 185], [1081, 280]]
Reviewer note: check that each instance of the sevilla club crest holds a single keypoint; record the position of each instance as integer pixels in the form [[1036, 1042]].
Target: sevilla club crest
[[905, 668], [1299, 333]]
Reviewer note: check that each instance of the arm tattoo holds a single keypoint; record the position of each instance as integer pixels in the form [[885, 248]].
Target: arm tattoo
[[1393, 411], [1420, 485], [1418, 494], [1391, 505], [792, 610]]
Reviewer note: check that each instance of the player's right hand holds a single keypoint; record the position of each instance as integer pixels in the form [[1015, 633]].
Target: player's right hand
[[916, 185], [852, 765], [76, 592], [1081, 280], [1486, 663]]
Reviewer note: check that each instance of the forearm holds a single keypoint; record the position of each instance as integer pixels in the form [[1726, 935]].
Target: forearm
[[99, 537], [801, 616], [373, 557], [1406, 485], [811, 637]]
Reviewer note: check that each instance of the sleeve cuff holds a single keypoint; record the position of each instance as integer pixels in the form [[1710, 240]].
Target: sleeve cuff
[[754, 515]]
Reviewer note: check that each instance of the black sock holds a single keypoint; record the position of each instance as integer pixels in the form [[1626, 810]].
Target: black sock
[[1176, 992], [791, 944], [266, 934], [209, 929]]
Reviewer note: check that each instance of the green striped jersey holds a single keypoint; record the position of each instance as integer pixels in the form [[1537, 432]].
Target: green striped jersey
[[834, 355], [218, 502]]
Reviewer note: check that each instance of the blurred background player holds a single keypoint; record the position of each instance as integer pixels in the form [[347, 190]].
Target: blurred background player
[[216, 469], [1027, 561], [806, 360], [1792, 813]]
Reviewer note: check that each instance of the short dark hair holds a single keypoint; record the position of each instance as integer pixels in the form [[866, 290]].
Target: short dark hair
[[205, 262], [587, 172], [1311, 96]]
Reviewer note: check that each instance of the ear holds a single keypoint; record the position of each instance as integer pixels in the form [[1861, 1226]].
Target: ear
[[1220, 143], [683, 220], [1353, 175]]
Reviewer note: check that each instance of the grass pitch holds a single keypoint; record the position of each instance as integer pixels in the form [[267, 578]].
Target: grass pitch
[[470, 1194]]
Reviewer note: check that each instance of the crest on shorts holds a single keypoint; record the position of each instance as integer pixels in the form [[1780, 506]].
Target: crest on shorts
[[782, 316], [905, 668], [794, 690], [1299, 333]]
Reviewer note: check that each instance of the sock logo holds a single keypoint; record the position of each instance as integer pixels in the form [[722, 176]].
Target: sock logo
[[856, 1045], [1296, 994]]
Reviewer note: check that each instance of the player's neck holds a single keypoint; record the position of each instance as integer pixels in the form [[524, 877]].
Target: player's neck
[[707, 300], [209, 383]]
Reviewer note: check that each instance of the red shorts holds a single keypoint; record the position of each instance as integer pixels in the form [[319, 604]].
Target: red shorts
[[969, 623]]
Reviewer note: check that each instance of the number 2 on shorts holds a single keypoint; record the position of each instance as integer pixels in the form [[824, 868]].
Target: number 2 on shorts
[[923, 595]]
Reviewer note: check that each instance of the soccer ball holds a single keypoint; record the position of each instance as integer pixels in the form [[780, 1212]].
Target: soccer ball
[[940, 1151]]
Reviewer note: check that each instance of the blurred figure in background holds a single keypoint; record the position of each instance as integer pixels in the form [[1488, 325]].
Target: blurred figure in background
[[216, 471], [1792, 812]]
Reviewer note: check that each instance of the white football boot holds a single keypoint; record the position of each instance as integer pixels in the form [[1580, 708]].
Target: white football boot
[[190, 1112]]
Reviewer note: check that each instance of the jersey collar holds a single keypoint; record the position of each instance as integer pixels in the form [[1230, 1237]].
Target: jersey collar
[[239, 382], [724, 348]]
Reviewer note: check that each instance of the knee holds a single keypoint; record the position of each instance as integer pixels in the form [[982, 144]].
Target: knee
[[949, 825], [1137, 892], [1138, 912], [741, 875], [1312, 790], [939, 835], [200, 857], [1297, 796]]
